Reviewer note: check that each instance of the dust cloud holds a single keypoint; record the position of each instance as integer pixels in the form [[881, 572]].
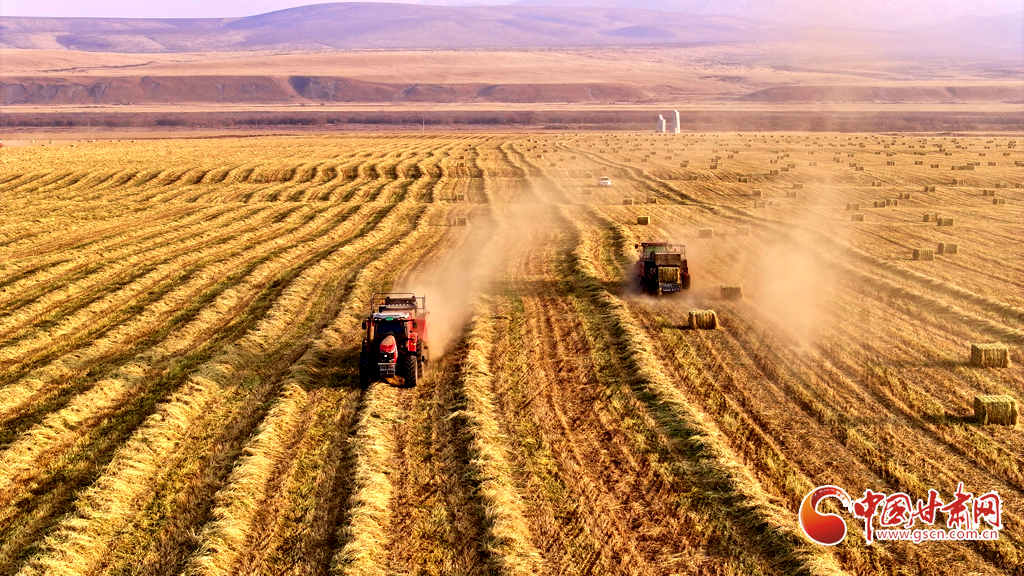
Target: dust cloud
[[452, 281], [793, 286], [788, 275]]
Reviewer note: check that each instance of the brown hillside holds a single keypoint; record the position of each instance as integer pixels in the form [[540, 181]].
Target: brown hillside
[[779, 94], [271, 89]]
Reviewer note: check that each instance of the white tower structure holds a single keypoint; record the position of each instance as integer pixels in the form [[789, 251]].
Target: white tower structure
[[676, 127], [660, 128]]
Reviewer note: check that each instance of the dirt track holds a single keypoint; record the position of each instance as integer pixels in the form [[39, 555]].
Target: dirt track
[[179, 329]]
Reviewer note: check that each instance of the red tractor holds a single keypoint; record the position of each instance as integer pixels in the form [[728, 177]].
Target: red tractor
[[661, 268], [395, 343]]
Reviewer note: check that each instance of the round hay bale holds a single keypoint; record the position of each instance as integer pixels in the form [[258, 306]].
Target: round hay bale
[[743, 230], [703, 320], [991, 355], [643, 220], [732, 291], [857, 217], [627, 201], [1000, 410], [706, 232]]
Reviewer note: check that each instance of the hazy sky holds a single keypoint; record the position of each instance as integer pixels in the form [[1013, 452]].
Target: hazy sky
[[904, 12], [150, 8]]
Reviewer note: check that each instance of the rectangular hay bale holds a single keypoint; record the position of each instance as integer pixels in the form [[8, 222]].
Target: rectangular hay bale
[[460, 221], [732, 291], [947, 248], [999, 201], [706, 232], [627, 201], [991, 355], [1000, 410], [703, 320], [925, 255], [945, 221], [857, 217], [643, 220]]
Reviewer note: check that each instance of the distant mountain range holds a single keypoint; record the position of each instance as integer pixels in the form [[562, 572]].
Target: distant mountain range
[[532, 23], [874, 14]]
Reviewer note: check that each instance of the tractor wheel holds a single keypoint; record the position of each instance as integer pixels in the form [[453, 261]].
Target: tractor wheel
[[408, 365], [365, 372]]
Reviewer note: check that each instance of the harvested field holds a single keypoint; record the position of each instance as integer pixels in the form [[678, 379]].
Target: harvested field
[[180, 330]]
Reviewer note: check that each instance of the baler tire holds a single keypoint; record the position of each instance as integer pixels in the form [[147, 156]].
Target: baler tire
[[365, 372], [408, 365]]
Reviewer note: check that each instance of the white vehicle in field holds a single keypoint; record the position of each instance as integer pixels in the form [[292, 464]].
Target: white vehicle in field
[[604, 181]]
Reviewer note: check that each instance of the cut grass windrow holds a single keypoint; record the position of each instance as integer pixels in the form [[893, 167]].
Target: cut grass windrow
[[369, 506], [254, 312], [510, 537], [138, 312]]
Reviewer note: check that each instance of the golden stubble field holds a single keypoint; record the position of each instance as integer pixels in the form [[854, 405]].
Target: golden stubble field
[[179, 330]]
